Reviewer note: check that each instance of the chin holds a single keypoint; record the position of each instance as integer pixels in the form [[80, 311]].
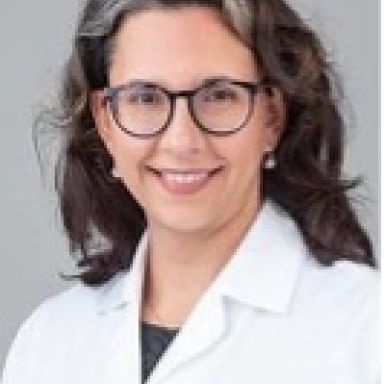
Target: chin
[[187, 224]]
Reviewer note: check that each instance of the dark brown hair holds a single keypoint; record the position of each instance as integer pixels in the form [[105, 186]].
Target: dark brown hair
[[102, 219]]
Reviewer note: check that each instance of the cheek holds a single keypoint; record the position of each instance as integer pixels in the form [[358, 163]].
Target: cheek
[[249, 145], [245, 154], [130, 169], [129, 156]]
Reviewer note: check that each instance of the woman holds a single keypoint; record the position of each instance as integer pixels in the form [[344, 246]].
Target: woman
[[201, 181]]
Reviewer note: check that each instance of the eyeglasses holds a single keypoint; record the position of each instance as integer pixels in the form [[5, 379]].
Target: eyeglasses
[[219, 106]]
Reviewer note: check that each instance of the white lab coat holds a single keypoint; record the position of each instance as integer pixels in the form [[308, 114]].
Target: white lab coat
[[272, 316]]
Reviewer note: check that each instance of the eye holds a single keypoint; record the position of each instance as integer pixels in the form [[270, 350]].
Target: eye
[[219, 94], [143, 97]]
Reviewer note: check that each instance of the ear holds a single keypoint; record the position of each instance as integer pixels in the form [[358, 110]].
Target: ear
[[276, 116], [100, 116]]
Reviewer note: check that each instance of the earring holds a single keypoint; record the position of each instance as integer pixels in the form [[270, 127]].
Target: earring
[[270, 161], [115, 173]]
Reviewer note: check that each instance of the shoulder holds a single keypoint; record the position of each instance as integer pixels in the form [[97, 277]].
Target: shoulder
[[343, 301], [54, 326], [345, 289], [339, 306], [345, 284], [345, 296], [58, 310], [77, 299], [72, 310], [75, 303]]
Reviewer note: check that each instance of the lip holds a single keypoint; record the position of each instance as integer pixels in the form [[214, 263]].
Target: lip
[[173, 186], [184, 171]]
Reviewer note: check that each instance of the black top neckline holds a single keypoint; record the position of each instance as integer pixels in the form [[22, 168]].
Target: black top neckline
[[155, 339], [159, 327]]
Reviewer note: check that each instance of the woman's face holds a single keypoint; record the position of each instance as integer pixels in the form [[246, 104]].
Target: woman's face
[[179, 49]]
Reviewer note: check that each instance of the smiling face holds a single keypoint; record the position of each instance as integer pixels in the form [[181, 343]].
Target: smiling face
[[180, 49]]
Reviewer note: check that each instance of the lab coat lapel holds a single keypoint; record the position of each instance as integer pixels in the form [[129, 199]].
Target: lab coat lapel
[[203, 329], [262, 273], [120, 304], [124, 363]]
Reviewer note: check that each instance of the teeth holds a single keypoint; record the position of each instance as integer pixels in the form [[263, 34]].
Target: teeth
[[185, 178]]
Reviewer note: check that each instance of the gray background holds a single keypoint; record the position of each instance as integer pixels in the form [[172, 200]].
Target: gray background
[[35, 39]]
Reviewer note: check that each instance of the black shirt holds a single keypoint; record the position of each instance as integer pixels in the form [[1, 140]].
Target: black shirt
[[154, 341]]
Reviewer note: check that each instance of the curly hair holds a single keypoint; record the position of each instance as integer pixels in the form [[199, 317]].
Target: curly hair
[[101, 217]]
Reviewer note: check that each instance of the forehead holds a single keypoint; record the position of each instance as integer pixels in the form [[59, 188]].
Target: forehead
[[178, 48]]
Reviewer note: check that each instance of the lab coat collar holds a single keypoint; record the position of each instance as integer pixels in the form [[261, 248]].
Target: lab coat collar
[[262, 272], [265, 267], [126, 286]]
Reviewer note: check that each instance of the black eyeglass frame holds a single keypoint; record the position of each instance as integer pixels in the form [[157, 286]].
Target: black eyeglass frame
[[111, 96]]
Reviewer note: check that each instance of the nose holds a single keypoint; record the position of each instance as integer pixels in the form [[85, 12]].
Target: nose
[[182, 136]]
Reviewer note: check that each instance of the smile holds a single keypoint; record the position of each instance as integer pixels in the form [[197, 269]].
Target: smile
[[184, 181]]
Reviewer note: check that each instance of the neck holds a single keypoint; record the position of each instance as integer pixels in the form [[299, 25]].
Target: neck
[[181, 266]]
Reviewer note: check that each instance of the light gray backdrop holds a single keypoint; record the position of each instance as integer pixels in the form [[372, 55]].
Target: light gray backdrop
[[34, 40]]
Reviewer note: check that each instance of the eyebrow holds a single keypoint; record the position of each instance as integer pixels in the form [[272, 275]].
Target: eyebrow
[[205, 81]]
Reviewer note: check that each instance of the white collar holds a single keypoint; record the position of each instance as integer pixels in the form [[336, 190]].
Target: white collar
[[262, 272], [265, 267]]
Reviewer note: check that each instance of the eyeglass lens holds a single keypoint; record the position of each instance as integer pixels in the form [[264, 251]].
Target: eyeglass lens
[[145, 109]]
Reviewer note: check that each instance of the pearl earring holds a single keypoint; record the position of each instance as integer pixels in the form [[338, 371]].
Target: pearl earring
[[115, 173], [270, 161]]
